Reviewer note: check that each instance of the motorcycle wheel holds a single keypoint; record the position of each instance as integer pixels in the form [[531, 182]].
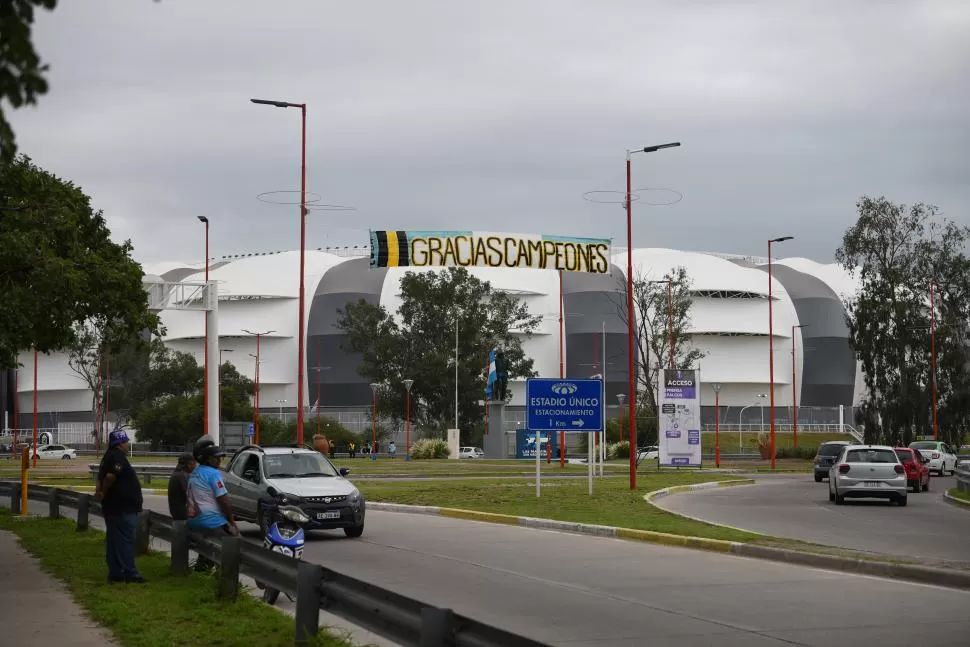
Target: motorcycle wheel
[[270, 595]]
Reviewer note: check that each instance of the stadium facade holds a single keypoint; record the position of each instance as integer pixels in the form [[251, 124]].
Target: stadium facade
[[729, 322]]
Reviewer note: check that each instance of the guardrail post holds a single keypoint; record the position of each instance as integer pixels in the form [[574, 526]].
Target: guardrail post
[[146, 478], [142, 533], [308, 596], [180, 548], [229, 568], [53, 510], [83, 504], [435, 627], [15, 498]]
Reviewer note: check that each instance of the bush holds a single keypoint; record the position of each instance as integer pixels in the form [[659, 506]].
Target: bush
[[618, 450], [430, 448], [807, 453]]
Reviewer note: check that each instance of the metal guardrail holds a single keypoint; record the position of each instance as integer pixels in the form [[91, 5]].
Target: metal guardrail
[[146, 471], [962, 475], [394, 616]]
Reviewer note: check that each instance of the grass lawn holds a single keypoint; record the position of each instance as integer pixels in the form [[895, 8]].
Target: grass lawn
[[167, 611], [729, 440], [959, 494], [612, 503]]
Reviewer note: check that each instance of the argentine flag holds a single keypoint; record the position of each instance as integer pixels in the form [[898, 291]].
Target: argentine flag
[[492, 375]]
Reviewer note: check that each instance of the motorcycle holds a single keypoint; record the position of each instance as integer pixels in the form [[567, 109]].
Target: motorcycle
[[284, 535]]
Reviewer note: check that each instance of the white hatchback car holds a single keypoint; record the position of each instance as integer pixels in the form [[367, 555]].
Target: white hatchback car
[[868, 471], [59, 452], [470, 452]]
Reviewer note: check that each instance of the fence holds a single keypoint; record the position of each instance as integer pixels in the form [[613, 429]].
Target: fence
[[963, 477], [397, 617]]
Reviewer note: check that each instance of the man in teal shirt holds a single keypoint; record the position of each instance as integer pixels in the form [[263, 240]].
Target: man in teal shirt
[[208, 499]]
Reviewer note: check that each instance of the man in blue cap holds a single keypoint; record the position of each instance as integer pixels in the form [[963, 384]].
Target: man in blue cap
[[209, 511], [119, 492]]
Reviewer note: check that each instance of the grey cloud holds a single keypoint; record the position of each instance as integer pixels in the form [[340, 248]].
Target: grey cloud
[[501, 115]]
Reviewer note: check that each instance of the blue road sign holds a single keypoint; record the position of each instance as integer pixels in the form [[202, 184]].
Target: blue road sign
[[252, 429], [564, 405]]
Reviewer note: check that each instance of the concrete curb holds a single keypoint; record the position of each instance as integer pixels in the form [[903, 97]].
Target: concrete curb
[[960, 503], [891, 570], [659, 494]]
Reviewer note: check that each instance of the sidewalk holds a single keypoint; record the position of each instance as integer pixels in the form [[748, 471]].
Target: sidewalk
[[36, 608]]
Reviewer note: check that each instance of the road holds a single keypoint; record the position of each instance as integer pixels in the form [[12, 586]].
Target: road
[[797, 507], [576, 590]]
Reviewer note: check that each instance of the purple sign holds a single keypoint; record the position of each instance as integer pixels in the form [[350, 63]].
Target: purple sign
[[679, 384], [694, 437]]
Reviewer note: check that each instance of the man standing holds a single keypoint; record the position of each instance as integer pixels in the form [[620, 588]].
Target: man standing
[[178, 487], [119, 492]]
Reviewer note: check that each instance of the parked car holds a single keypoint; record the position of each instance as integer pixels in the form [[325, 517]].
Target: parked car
[[867, 471], [304, 478], [59, 452], [470, 452], [942, 457], [826, 455], [917, 470], [651, 453]]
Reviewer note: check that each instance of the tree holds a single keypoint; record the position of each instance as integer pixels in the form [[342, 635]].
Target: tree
[[21, 71], [235, 393], [657, 320], [59, 268], [897, 252], [166, 403], [418, 342]]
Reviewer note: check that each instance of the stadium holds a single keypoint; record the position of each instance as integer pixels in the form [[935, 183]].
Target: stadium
[[729, 323]]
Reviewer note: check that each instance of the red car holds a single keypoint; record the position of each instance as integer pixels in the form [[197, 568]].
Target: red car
[[917, 472]]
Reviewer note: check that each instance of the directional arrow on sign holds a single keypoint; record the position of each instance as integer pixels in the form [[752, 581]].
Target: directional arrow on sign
[[578, 423]]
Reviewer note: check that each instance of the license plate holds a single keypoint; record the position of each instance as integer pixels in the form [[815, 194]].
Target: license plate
[[872, 483], [333, 514]]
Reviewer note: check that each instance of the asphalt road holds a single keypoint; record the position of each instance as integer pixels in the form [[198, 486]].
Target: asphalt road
[[796, 506], [575, 590]]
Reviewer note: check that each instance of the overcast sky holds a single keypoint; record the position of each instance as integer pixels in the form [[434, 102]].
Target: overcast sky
[[500, 115]]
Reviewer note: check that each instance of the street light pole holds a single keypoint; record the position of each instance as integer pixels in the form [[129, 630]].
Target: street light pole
[[717, 424], [258, 335], [35, 408], [794, 391], [373, 448], [631, 350], [407, 438], [771, 348], [562, 374], [936, 433], [301, 333], [205, 388], [281, 403]]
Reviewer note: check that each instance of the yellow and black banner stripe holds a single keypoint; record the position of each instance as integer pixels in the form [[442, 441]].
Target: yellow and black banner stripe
[[389, 249]]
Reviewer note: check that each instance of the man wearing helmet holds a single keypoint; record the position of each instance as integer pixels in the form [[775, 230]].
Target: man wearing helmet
[[208, 498], [119, 492]]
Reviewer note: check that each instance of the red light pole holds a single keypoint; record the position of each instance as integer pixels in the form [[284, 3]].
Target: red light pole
[[771, 348], [631, 350], [717, 424], [936, 434], [205, 388], [794, 391], [407, 437], [258, 335], [373, 447], [562, 374], [301, 333], [35, 408]]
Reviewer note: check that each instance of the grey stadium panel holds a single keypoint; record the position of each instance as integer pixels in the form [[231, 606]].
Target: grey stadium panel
[[829, 365], [344, 283], [599, 299]]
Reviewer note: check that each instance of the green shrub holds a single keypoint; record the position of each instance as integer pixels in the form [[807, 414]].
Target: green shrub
[[430, 448], [618, 450], [807, 453]]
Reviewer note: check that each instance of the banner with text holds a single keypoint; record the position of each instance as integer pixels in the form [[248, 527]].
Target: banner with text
[[486, 249], [680, 419]]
